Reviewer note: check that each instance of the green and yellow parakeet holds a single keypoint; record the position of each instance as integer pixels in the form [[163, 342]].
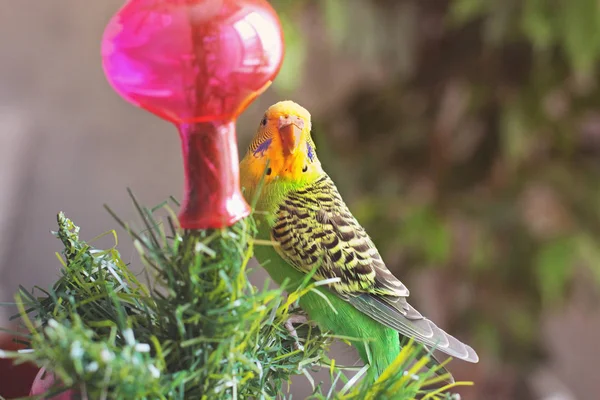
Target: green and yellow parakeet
[[300, 210]]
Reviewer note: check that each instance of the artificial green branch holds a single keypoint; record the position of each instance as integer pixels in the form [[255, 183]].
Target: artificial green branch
[[199, 331]]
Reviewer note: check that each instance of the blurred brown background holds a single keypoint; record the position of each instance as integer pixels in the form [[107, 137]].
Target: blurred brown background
[[464, 134]]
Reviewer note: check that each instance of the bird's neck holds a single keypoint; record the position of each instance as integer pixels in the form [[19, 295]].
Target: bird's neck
[[273, 194], [268, 192]]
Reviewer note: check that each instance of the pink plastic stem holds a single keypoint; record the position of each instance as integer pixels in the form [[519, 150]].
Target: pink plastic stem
[[212, 184]]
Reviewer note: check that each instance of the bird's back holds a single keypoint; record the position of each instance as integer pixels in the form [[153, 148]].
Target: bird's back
[[314, 230]]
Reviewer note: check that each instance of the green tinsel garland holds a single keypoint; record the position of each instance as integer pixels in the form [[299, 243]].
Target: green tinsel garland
[[199, 331]]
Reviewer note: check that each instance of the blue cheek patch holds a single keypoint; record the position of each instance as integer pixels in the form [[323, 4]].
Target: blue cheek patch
[[310, 152], [262, 148]]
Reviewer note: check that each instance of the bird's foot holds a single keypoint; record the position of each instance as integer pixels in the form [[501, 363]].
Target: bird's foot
[[298, 319], [289, 325]]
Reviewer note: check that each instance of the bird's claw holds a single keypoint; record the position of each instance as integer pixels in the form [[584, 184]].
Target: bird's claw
[[289, 325], [297, 319]]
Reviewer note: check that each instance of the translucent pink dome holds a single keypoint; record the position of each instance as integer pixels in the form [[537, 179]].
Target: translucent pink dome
[[192, 60], [198, 64]]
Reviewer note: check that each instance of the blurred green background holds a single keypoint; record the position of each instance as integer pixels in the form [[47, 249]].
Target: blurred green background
[[463, 134], [470, 150]]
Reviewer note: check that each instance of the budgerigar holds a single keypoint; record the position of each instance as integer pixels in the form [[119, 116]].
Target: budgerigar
[[301, 211]]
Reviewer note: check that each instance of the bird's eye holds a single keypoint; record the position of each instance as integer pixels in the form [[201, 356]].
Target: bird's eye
[[269, 171], [305, 168], [263, 122]]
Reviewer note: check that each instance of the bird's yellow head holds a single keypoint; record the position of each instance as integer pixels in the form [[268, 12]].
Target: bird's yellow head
[[283, 149]]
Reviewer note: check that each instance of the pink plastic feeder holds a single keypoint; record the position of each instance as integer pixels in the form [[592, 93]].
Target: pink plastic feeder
[[198, 64]]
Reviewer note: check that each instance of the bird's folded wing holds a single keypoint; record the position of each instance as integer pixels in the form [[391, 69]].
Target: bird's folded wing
[[315, 230]]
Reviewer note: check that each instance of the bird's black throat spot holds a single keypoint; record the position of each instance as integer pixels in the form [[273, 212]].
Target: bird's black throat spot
[[305, 168], [269, 171]]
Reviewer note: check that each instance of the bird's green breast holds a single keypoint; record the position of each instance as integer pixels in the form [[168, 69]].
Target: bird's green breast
[[345, 320]]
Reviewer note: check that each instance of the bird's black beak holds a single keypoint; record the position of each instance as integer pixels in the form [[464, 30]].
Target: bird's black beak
[[290, 130]]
